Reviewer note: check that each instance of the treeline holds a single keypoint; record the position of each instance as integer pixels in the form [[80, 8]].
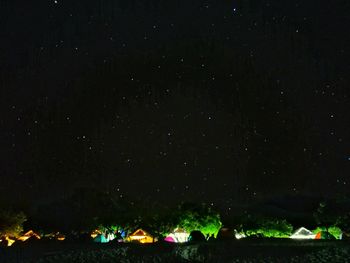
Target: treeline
[[89, 209]]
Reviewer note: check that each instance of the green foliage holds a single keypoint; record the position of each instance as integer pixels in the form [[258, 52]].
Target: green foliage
[[11, 223], [157, 219], [319, 229], [333, 230], [109, 228], [201, 218], [265, 227], [158, 223]]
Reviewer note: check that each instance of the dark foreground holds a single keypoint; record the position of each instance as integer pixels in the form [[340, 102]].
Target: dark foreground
[[219, 251]]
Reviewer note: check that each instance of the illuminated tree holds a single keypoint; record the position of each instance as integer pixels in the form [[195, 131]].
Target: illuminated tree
[[11, 223], [265, 227], [202, 218]]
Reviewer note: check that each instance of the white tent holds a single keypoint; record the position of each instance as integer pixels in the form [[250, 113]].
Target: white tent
[[303, 233], [178, 236]]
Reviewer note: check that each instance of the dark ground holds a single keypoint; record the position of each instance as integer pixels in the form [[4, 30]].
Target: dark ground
[[219, 251]]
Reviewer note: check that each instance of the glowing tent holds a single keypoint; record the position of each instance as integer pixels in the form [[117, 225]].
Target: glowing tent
[[7, 241], [29, 234], [170, 239], [178, 236], [100, 239], [61, 237], [324, 235], [141, 236], [303, 233], [95, 233]]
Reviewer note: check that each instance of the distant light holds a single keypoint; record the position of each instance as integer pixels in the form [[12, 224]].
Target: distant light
[[239, 235]]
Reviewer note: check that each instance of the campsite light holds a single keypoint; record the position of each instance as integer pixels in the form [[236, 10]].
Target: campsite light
[[178, 236], [239, 235], [141, 236], [61, 238], [23, 238], [9, 241], [95, 233], [303, 233], [28, 235]]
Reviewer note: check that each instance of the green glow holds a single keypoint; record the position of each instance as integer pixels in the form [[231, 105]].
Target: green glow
[[271, 228], [207, 222], [333, 230]]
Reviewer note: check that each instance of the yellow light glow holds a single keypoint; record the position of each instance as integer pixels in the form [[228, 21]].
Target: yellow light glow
[[61, 238], [28, 235], [10, 241], [95, 233], [23, 238], [141, 236]]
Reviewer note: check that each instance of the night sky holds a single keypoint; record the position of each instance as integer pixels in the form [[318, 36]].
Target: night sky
[[216, 101]]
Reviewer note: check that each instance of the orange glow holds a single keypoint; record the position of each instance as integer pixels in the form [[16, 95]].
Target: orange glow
[[95, 233], [61, 238], [141, 236], [23, 238], [28, 235]]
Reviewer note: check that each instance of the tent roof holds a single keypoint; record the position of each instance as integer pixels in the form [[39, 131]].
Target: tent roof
[[140, 232], [179, 230], [28, 235], [302, 231]]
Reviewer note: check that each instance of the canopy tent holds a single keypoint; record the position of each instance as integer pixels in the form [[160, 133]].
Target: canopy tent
[[101, 239], [170, 239], [7, 241], [95, 233], [141, 236], [302, 233], [27, 235], [61, 237], [179, 235]]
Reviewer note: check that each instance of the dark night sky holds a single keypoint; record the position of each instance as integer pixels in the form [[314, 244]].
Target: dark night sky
[[171, 100]]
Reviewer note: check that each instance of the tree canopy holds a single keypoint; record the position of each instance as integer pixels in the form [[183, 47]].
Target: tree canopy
[[11, 223]]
